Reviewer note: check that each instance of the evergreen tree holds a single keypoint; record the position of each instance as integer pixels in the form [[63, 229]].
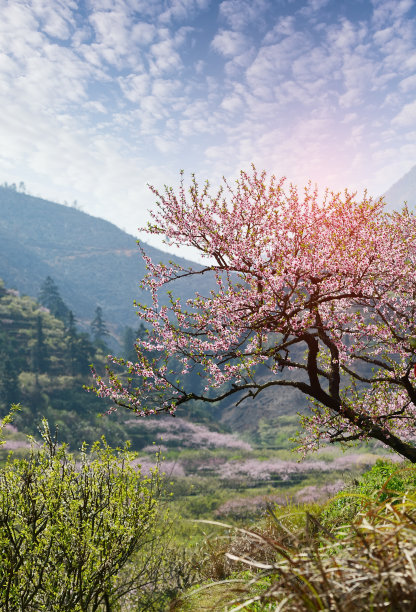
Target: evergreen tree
[[99, 329], [80, 349], [50, 298], [71, 341]]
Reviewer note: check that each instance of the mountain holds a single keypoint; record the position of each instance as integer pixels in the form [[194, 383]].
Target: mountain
[[95, 263], [92, 261], [402, 191]]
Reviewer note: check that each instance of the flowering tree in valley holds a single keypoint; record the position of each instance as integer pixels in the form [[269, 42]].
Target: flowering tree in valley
[[313, 293]]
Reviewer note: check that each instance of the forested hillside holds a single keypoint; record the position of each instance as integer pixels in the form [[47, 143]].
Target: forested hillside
[[95, 264], [93, 261], [44, 366]]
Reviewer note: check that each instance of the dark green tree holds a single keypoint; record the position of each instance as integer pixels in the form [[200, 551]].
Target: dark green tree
[[99, 329], [80, 349], [50, 298], [71, 337], [129, 339]]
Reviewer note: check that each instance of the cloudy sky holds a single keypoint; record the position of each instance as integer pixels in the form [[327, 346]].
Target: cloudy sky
[[100, 97]]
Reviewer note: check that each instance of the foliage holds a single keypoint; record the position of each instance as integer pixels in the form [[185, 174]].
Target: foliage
[[368, 564], [44, 363], [311, 294], [298, 562], [359, 555], [384, 481], [50, 298], [99, 329], [68, 528]]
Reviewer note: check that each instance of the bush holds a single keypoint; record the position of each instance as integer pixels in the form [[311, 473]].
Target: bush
[[384, 481], [367, 565], [69, 528], [300, 562]]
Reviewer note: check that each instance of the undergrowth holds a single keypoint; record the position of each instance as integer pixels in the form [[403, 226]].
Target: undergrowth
[[355, 553]]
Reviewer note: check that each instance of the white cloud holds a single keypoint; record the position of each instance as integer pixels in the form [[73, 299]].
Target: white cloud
[[318, 62], [381, 37], [135, 86], [285, 26], [408, 84], [233, 104], [345, 36], [143, 33], [164, 58], [182, 9], [407, 116], [111, 30], [410, 62], [386, 11], [165, 89], [229, 43], [274, 61], [242, 13], [313, 6]]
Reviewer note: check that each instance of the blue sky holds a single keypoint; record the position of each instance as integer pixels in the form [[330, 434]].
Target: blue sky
[[99, 97]]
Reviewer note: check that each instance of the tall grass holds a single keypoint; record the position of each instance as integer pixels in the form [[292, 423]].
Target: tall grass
[[356, 554]]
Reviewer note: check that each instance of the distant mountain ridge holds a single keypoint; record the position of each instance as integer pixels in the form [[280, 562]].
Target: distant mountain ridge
[[404, 190], [92, 261]]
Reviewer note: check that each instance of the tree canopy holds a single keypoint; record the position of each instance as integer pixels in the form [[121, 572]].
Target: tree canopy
[[99, 329], [50, 298], [316, 293]]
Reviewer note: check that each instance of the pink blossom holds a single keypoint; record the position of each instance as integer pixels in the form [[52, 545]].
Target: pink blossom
[[185, 434], [319, 291]]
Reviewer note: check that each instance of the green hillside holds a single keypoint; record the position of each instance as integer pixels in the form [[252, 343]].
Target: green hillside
[[92, 261], [43, 366]]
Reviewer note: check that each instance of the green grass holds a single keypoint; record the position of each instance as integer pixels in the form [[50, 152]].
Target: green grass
[[363, 532]]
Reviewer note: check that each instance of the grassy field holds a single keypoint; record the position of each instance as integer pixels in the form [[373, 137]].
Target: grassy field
[[242, 517], [354, 552]]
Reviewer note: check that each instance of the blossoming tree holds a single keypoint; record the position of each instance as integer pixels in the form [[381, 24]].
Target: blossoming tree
[[313, 293]]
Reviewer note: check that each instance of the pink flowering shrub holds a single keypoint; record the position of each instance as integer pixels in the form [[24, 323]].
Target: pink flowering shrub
[[311, 493], [172, 469], [12, 445], [286, 471], [152, 448], [182, 433], [245, 507], [319, 291]]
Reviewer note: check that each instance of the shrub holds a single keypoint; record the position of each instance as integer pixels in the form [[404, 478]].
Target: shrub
[[68, 528], [298, 563], [367, 566], [384, 481]]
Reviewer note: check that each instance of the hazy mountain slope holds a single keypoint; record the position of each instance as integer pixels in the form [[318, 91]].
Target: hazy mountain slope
[[404, 190], [91, 260], [95, 263]]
